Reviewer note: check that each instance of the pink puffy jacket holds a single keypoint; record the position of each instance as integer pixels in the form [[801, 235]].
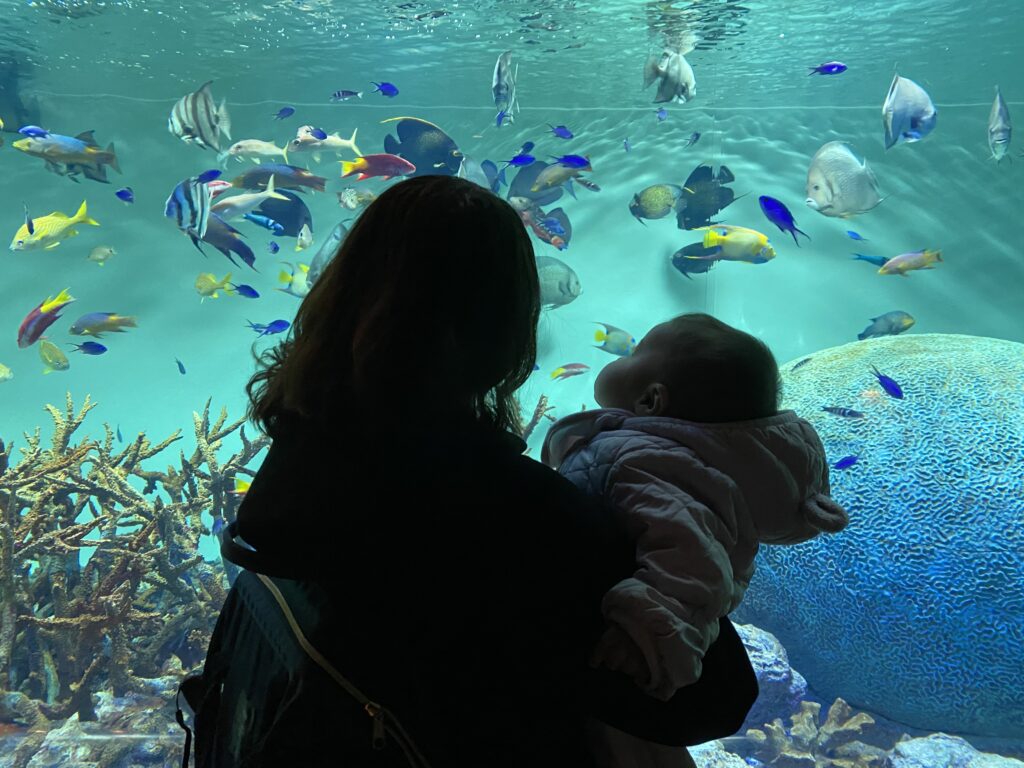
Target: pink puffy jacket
[[699, 499]]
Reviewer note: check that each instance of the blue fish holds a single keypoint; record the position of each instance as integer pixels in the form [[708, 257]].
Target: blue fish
[[560, 131], [219, 524], [125, 194], [89, 348], [386, 89], [266, 222], [273, 247], [805, 361], [284, 112], [207, 176], [521, 160], [828, 68], [245, 290], [846, 462], [493, 176], [889, 385], [694, 138], [553, 225], [573, 161], [499, 119], [527, 147], [854, 236], [847, 413], [33, 132], [878, 261], [779, 215], [626, 145], [181, 366], [318, 133], [277, 326], [661, 114], [119, 438]]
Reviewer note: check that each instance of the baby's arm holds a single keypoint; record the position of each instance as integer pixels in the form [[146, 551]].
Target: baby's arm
[[668, 611]]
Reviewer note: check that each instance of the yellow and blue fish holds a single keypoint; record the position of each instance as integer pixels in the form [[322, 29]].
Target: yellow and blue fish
[[615, 340], [736, 244]]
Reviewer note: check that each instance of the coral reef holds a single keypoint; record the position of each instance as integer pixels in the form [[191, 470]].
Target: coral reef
[[940, 749], [914, 610], [540, 412], [144, 594], [781, 688], [808, 743]]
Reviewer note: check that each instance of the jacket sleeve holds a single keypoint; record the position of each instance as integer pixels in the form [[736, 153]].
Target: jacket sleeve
[[681, 515]]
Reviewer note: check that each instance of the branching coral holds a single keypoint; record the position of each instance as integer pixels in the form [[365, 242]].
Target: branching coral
[[836, 743], [67, 629], [539, 413]]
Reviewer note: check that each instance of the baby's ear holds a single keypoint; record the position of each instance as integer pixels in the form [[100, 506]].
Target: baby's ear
[[653, 402]]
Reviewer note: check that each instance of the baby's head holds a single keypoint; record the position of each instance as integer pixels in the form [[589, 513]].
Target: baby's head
[[696, 368]]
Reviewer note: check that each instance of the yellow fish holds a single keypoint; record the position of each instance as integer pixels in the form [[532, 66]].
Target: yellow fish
[[736, 244], [53, 359], [6, 374], [907, 262], [207, 285], [49, 231], [296, 280]]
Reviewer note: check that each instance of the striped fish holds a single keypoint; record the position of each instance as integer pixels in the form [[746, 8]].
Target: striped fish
[[196, 119], [189, 207]]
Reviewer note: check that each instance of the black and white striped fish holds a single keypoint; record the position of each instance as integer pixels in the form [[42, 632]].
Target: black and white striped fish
[[196, 119], [189, 205]]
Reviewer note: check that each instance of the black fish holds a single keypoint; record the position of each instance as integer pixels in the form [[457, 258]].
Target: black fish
[[290, 214], [688, 266], [704, 195], [526, 178], [425, 145], [227, 239]]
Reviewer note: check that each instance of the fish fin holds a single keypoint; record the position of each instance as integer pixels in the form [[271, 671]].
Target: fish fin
[[352, 141], [271, 192], [113, 157], [83, 217], [87, 137], [316, 157], [223, 119]]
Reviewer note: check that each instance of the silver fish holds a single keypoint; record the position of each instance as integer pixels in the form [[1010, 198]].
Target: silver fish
[[327, 252], [908, 113], [471, 170], [559, 284], [195, 119], [676, 75], [503, 87], [999, 128], [839, 184]]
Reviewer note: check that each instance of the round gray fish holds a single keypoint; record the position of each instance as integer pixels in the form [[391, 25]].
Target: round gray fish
[[908, 113], [839, 184], [559, 284], [889, 324]]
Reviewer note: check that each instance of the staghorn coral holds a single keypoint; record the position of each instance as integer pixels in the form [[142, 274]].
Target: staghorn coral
[[836, 743], [541, 411], [68, 630]]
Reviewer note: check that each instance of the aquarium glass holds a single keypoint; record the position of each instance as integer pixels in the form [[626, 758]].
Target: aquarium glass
[[122, 419]]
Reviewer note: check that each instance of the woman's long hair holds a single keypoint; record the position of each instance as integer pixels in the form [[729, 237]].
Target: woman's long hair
[[428, 311]]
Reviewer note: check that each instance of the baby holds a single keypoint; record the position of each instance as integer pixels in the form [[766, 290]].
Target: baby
[[690, 447]]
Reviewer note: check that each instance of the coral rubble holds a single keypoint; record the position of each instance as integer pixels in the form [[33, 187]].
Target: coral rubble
[[143, 596]]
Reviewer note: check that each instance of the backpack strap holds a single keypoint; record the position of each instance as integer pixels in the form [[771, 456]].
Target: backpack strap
[[384, 722]]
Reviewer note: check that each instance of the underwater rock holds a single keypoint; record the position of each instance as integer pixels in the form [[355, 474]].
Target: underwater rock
[[940, 749], [910, 609], [781, 688]]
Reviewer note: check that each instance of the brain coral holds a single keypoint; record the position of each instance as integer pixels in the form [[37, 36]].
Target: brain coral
[[916, 610]]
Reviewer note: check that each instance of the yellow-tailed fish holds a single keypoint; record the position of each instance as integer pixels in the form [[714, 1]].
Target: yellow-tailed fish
[[48, 231], [6, 374], [208, 286], [295, 279], [736, 244], [908, 262], [53, 359]]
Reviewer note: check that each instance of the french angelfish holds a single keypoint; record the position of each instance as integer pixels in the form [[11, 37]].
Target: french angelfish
[[559, 283], [999, 128], [677, 82], [908, 113], [503, 88]]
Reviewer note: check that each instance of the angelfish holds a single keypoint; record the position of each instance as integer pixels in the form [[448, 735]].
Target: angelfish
[[908, 113], [999, 128], [503, 88]]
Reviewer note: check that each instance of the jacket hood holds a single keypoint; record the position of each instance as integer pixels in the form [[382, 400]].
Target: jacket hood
[[778, 463]]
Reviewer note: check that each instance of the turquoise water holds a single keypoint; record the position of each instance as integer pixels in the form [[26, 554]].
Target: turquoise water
[[119, 67]]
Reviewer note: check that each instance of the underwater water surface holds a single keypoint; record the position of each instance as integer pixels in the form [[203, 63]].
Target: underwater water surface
[[118, 69]]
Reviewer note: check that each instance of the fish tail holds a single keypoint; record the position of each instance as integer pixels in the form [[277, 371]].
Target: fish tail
[[348, 167], [600, 336], [284, 277], [555, 373], [271, 192], [352, 141], [938, 255], [112, 162], [82, 217]]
